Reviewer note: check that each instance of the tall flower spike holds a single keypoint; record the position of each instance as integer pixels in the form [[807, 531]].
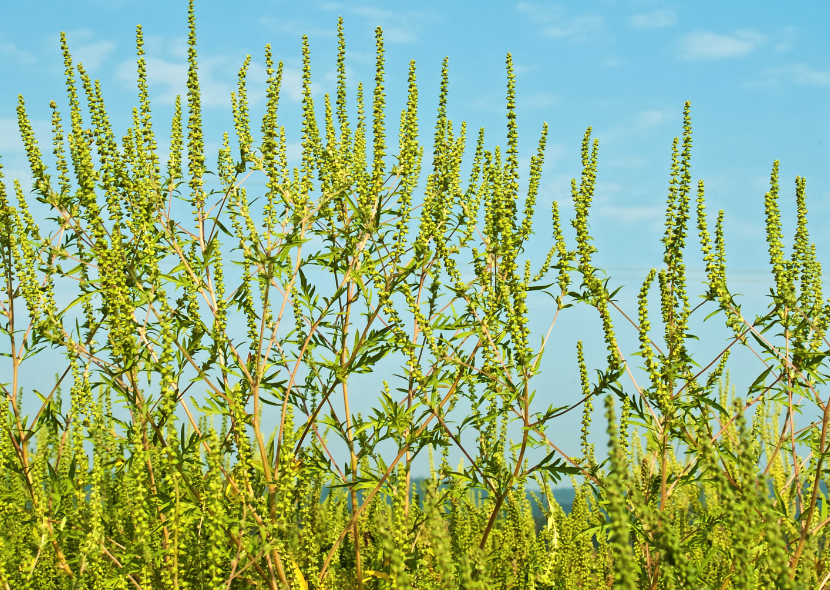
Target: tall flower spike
[[27, 134], [310, 142], [645, 325], [242, 120], [60, 156], [410, 159], [470, 201], [148, 140], [588, 408], [6, 228], [801, 242], [378, 115], [359, 163], [624, 577], [564, 256], [441, 118], [671, 202], [706, 241], [271, 141], [675, 302], [195, 134], [582, 197], [732, 309], [536, 163], [78, 142], [270, 131], [269, 119], [174, 162], [342, 113], [511, 160], [775, 235]]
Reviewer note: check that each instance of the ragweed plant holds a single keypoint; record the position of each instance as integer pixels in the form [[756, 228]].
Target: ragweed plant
[[187, 309]]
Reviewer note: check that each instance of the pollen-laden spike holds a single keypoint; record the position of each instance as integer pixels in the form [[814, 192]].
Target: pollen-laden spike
[[801, 243], [588, 405], [242, 119], [27, 133], [512, 153], [174, 163], [195, 134], [59, 152], [379, 114], [536, 163], [311, 136], [342, 112], [775, 235], [145, 130]]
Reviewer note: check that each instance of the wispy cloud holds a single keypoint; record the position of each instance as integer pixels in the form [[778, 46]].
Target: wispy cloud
[[92, 54], [539, 100], [632, 213], [655, 19], [797, 73], [10, 142], [13, 53], [492, 101], [642, 122], [217, 79], [399, 26], [706, 45], [556, 23], [9, 137], [785, 39], [294, 28], [654, 118], [495, 102]]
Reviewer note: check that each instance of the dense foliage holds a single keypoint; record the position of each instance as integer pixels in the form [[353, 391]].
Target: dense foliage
[[349, 266]]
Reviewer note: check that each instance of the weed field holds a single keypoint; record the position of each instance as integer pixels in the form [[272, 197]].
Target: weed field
[[189, 306]]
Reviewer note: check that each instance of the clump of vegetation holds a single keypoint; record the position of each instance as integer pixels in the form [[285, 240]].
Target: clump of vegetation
[[344, 266]]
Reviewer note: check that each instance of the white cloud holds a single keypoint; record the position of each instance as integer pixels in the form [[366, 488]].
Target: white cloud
[[653, 118], [580, 27], [399, 26], [9, 137], [10, 142], [494, 101], [655, 19], [296, 29], [797, 73], [217, 79], [557, 24], [700, 45], [12, 52], [804, 74], [785, 39], [90, 55], [632, 214], [642, 122], [166, 79], [630, 162], [539, 100], [93, 55], [23, 175]]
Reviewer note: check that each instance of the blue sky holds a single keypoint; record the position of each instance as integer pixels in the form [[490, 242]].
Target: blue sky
[[757, 74]]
